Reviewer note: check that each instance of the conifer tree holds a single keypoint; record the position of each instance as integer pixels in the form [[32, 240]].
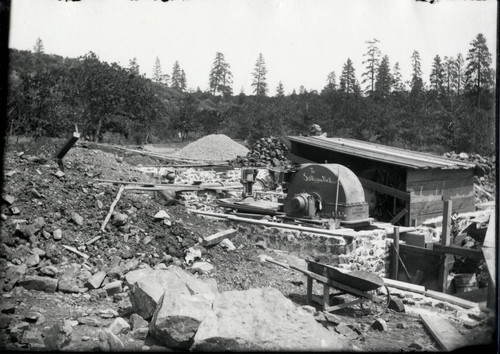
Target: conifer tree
[[221, 78], [259, 77], [372, 61], [280, 90], [348, 78], [383, 84]]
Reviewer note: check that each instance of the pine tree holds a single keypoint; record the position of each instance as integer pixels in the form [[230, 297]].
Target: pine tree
[[178, 80], [183, 82], [372, 62], [280, 90], [448, 74], [383, 84], [157, 74], [459, 77], [133, 67], [417, 85], [221, 78], [437, 75], [478, 74], [348, 78], [259, 77], [397, 79], [331, 81], [38, 47]]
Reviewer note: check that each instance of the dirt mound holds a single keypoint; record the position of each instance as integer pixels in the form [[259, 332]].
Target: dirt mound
[[215, 147]]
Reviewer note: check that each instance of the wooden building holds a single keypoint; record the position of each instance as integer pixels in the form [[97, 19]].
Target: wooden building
[[401, 186]]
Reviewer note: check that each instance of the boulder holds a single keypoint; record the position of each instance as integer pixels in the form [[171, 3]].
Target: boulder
[[13, 274], [113, 288], [76, 218], [202, 267], [263, 320], [96, 280], [379, 324], [148, 285], [34, 282], [227, 245], [57, 234], [140, 333], [179, 314], [125, 306], [119, 219], [138, 322], [162, 214], [119, 326], [109, 342], [68, 280], [32, 260], [58, 336]]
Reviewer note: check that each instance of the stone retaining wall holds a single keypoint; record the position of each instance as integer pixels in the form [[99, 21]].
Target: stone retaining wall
[[367, 250]]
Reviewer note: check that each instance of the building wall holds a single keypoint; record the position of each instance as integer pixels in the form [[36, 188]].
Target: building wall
[[428, 189]]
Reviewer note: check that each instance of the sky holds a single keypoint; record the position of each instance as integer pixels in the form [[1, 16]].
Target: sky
[[302, 41]]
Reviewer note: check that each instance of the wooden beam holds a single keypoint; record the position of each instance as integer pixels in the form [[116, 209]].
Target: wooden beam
[[444, 269], [335, 233], [443, 332], [404, 286], [458, 251], [395, 258], [398, 216], [451, 299], [385, 189]]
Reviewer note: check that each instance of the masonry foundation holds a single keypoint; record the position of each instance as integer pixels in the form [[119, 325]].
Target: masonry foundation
[[366, 250]]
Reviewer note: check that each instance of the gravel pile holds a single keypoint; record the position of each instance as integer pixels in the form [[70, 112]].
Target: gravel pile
[[215, 147]]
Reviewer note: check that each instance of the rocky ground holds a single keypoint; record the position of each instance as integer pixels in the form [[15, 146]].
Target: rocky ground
[[62, 288]]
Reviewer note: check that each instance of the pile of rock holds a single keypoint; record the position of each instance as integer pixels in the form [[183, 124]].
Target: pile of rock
[[484, 174], [266, 152], [186, 312], [215, 147]]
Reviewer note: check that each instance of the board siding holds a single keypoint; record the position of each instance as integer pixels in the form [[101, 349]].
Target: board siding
[[429, 187]]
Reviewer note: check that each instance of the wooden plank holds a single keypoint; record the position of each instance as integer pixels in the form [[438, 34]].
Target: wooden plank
[[437, 173], [218, 237], [458, 251], [439, 184], [450, 299], [445, 267], [411, 250], [443, 332], [447, 193], [384, 189], [404, 286], [461, 205]]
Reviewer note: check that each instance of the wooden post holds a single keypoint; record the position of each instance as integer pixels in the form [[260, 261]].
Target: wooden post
[[444, 269], [309, 286], [326, 292], [395, 258]]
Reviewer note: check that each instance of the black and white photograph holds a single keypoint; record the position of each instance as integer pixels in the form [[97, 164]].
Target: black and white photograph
[[249, 175]]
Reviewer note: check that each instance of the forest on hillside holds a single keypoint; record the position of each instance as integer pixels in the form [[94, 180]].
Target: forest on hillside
[[455, 110]]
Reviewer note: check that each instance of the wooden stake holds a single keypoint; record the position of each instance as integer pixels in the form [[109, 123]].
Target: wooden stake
[[444, 269], [111, 208]]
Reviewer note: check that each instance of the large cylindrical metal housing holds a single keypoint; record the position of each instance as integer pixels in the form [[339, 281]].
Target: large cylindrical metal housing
[[321, 182]]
